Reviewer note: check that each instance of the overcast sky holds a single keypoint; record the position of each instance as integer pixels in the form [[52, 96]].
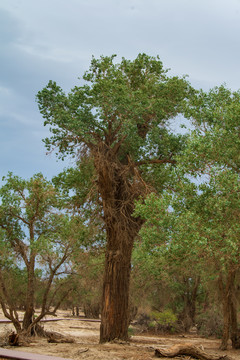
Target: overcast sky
[[55, 39]]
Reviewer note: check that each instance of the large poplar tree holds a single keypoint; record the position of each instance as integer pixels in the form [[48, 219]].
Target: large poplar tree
[[119, 118]]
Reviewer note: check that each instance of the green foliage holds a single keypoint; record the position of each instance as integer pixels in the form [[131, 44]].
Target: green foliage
[[77, 186], [191, 218], [117, 120], [215, 141], [165, 321], [194, 225], [37, 240], [130, 331], [126, 103], [164, 318]]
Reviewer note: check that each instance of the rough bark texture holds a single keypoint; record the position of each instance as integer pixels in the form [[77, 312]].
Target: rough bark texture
[[115, 301], [115, 311], [117, 195], [189, 350]]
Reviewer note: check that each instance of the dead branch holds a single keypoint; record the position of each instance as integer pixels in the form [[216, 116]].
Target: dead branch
[[189, 350], [54, 337]]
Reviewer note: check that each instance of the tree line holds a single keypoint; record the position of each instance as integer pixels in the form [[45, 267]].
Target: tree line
[[157, 206]]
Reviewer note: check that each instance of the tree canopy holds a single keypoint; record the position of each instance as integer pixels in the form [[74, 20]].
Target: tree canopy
[[199, 218], [119, 118], [36, 238]]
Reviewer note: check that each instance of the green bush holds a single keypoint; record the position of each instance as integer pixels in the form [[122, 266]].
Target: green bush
[[165, 321], [130, 331]]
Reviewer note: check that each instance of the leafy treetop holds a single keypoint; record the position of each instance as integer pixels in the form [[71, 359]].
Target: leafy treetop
[[120, 107]]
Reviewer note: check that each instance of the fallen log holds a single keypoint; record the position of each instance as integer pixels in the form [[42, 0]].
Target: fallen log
[[54, 337], [189, 350]]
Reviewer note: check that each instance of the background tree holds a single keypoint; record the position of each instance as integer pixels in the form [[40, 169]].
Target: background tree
[[202, 228], [89, 271], [205, 216], [167, 257], [118, 117], [216, 143], [34, 235]]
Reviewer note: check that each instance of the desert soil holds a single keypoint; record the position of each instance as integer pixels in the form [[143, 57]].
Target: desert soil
[[86, 346]]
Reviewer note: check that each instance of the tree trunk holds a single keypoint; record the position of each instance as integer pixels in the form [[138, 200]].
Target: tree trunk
[[229, 313], [118, 195], [29, 307], [115, 309], [235, 336], [226, 324], [189, 297], [194, 293]]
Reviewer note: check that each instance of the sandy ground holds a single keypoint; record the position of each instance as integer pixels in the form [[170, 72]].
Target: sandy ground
[[86, 346]]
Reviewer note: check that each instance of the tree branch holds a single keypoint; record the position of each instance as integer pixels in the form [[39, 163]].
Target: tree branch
[[156, 161], [5, 298], [53, 272]]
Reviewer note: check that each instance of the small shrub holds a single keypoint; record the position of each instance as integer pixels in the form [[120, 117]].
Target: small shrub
[[210, 323], [130, 331], [164, 321], [152, 324]]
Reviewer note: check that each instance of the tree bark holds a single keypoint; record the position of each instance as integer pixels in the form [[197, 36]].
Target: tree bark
[[229, 313], [118, 195], [115, 310], [235, 335]]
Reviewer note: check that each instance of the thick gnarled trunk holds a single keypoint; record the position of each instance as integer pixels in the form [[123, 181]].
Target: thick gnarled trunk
[[121, 229], [115, 309], [115, 300]]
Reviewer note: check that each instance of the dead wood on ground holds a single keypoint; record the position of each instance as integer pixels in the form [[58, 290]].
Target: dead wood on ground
[[55, 337], [189, 350]]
